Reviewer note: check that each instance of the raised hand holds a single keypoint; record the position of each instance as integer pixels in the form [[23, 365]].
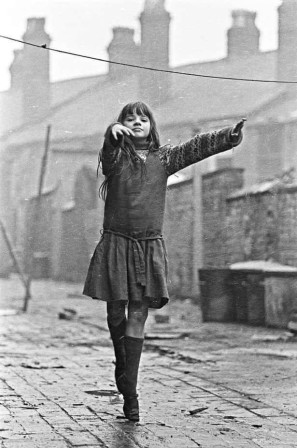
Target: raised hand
[[238, 127], [119, 130]]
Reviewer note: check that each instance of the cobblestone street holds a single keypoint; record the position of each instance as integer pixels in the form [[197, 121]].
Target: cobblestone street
[[201, 384]]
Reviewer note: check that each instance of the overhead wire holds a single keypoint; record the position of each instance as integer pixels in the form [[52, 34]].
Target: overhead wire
[[155, 69]]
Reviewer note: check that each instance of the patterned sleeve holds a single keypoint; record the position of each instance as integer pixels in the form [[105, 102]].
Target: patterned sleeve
[[110, 152], [203, 145]]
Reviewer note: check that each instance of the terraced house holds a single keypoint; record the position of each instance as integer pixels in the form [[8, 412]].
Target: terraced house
[[54, 230]]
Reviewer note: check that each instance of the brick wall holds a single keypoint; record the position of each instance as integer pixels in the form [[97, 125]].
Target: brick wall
[[216, 186], [252, 222], [80, 227], [178, 232], [262, 226], [256, 223], [287, 239]]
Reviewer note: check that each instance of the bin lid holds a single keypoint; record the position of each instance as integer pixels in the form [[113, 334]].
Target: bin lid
[[262, 266], [40, 255]]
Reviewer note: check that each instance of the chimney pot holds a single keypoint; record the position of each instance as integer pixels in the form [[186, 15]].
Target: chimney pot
[[122, 48], [243, 36]]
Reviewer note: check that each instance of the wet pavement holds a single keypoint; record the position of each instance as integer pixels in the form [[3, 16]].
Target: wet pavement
[[201, 384]]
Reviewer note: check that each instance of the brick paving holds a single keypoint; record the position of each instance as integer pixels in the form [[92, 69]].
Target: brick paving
[[214, 388]]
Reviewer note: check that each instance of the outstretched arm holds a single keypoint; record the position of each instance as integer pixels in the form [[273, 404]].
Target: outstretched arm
[[110, 151], [200, 147]]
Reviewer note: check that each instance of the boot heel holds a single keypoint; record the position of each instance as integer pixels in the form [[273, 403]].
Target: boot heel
[[131, 409]]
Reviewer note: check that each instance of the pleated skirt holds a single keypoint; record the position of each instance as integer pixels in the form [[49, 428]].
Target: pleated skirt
[[113, 272]]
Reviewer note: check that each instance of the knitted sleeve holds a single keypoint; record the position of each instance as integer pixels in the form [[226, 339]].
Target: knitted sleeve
[[110, 152], [175, 158]]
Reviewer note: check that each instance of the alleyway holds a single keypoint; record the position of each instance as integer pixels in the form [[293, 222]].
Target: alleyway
[[201, 384]]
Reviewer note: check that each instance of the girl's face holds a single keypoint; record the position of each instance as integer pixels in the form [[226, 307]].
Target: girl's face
[[139, 124]]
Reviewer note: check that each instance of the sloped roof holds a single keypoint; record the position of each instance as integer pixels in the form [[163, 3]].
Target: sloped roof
[[62, 91], [87, 114], [283, 110], [267, 186], [193, 99], [259, 188], [259, 65], [204, 99]]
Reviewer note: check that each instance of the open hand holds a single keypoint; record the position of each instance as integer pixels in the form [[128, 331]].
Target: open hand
[[119, 130], [238, 127]]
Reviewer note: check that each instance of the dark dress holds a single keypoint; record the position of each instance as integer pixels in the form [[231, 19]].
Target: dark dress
[[130, 261]]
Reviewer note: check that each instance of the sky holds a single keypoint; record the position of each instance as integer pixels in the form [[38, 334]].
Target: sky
[[197, 33]]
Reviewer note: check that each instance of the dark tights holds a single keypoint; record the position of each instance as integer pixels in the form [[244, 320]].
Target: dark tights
[[137, 315]]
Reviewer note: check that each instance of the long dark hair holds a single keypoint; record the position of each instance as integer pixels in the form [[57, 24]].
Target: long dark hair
[[127, 147]]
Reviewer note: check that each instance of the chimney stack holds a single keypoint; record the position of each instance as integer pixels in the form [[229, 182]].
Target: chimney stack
[[287, 41], [243, 36], [30, 71], [122, 48], [155, 22]]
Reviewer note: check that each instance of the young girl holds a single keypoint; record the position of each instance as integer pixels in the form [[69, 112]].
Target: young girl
[[129, 265]]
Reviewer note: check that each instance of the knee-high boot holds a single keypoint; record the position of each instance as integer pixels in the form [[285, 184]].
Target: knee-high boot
[[128, 381], [117, 334]]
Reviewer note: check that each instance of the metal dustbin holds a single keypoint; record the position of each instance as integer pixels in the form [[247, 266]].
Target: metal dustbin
[[238, 281], [40, 265], [217, 300], [280, 295], [249, 295]]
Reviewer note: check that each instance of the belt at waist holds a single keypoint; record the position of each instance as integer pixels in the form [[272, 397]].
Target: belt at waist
[[139, 261]]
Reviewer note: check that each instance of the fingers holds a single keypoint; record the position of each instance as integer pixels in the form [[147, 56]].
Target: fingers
[[114, 133], [127, 131], [241, 123], [239, 126], [120, 130]]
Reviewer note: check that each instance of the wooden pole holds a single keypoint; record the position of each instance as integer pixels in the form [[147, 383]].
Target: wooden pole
[[24, 279], [44, 161], [35, 233]]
